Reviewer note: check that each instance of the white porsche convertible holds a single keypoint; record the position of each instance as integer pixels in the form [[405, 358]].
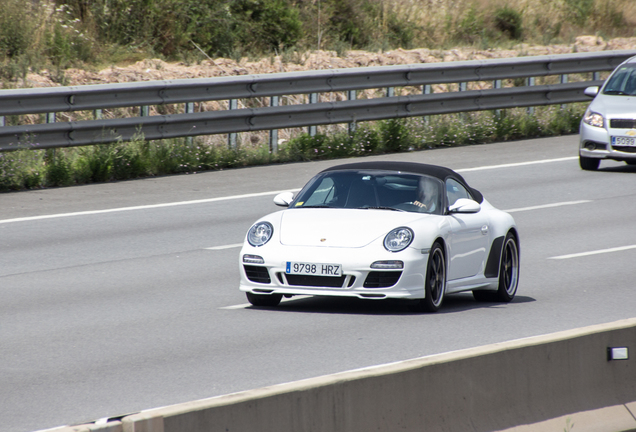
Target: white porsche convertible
[[379, 230]]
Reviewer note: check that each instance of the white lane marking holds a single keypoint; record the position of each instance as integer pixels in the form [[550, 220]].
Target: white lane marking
[[202, 201], [145, 207], [544, 206], [596, 252], [230, 246], [239, 306], [518, 164], [246, 305]]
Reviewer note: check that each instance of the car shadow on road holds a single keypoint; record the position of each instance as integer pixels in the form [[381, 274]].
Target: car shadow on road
[[630, 169], [355, 306]]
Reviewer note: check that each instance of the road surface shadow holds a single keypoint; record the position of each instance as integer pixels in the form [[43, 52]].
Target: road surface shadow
[[355, 306]]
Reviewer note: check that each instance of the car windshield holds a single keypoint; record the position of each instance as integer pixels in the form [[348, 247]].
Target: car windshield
[[622, 82], [372, 190]]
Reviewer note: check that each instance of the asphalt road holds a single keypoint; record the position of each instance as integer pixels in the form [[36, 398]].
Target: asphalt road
[[113, 302]]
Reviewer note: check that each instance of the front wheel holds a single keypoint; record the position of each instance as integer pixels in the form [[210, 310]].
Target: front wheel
[[270, 300], [589, 164], [435, 282]]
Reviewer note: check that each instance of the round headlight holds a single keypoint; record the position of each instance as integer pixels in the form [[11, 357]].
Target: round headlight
[[398, 239], [260, 233]]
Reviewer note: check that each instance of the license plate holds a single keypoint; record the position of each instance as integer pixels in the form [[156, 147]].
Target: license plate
[[623, 141], [313, 269]]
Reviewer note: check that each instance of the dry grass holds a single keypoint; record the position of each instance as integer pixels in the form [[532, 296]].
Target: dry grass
[[543, 21]]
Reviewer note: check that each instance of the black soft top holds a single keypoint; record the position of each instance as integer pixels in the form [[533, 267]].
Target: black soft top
[[437, 171]]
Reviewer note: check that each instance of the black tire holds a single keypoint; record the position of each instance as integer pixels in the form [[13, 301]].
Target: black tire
[[269, 300], [509, 269], [508, 274], [435, 282], [630, 162], [589, 164]]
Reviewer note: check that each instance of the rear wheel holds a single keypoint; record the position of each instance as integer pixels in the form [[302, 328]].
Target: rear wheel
[[508, 274], [509, 270], [435, 282], [270, 300], [589, 164]]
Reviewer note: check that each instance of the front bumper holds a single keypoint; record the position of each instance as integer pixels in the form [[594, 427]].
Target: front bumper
[[358, 278], [595, 143]]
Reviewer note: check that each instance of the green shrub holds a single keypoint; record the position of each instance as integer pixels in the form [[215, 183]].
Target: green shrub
[[22, 169], [508, 21], [471, 27], [579, 11], [58, 169], [27, 169], [97, 163], [395, 135], [264, 25], [16, 27]]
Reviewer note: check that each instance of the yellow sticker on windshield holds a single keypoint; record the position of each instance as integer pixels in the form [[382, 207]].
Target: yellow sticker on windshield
[[298, 204]]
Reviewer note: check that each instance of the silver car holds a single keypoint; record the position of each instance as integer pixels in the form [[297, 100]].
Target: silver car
[[608, 128]]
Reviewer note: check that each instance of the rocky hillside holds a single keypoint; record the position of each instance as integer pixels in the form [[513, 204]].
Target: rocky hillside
[[155, 69]]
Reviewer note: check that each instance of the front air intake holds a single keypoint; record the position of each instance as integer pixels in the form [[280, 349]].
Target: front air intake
[[257, 274], [378, 279]]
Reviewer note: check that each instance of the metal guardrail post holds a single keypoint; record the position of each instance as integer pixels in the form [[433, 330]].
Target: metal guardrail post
[[596, 76], [462, 87], [189, 109], [352, 95], [273, 133], [98, 114], [390, 91], [144, 111], [231, 137], [563, 80], [530, 81], [426, 89], [497, 84], [312, 130], [2, 121], [50, 153]]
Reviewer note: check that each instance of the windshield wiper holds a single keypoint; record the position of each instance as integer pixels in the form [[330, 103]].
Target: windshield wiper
[[380, 208], [614, 92], [315, 206]]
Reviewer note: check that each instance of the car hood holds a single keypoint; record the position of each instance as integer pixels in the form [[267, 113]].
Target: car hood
[[615, 106], [340, 227]]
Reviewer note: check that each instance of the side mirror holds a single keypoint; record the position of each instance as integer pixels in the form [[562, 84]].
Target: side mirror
[[464, 205], [591, 91], [283, 199]]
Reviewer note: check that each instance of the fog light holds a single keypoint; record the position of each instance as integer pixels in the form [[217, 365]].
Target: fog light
[[253, 259], [387, 265], [618, 353]]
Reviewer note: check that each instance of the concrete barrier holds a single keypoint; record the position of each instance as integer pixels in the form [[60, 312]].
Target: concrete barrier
[[555, 382]]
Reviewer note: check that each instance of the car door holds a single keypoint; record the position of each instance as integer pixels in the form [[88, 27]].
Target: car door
[[468, 239]]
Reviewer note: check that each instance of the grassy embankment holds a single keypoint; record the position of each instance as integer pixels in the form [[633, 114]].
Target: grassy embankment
[[56, 35]]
